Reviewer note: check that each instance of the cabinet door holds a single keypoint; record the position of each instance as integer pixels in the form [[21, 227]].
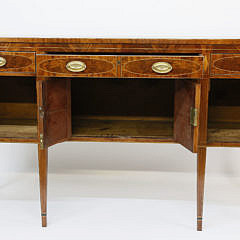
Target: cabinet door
[[54, 111], [186, 113]]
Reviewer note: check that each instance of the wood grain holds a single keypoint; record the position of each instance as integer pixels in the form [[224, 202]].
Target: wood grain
[[56, 105], [18, 110], [18, 63], [96, 66], [225, 65], [22, 129], [122, 127], [187, 96], [141, 67]]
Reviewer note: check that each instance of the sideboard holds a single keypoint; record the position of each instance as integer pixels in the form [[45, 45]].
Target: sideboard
[[182, 91]]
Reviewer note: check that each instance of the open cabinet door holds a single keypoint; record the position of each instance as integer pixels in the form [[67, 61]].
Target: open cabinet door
[[186, 113], [54, 111]]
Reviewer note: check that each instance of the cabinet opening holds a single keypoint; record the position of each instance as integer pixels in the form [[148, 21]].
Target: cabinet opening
[[18, 108], [137, 108], [224, 111]]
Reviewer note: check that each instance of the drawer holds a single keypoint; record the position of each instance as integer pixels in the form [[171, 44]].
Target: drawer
[[225, 65], [161, 66], [17, 63], [76, 66]]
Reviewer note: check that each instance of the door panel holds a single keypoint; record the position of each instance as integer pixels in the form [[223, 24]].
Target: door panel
[[55, 112], [187, 101]]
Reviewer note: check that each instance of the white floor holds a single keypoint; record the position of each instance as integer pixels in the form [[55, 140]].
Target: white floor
[[106, 205]]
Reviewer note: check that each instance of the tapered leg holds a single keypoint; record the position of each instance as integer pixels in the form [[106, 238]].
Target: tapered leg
[[43, 166], [201, 163]]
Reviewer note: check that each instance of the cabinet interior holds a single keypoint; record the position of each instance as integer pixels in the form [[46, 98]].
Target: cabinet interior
[[137, 108], [18, 108], [224, 111]]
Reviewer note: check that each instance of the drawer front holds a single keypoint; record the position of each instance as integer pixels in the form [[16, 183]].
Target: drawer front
[[17, 63], [161, 66], [76, 66], [225, 65]]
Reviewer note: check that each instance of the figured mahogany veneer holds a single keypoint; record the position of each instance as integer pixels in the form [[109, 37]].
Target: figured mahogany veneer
[[18, 63], [130, 66], [225, 65], [141, 67], [96, 66], [118, 96], [55, 103], [187, 95]]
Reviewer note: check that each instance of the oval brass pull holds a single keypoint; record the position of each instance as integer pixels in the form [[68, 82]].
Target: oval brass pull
[[3, 61], [76, 66], [162, 67]]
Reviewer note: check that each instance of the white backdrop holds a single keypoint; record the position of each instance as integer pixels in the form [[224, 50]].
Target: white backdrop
[[73, 156], [124, 19], [120, 18]]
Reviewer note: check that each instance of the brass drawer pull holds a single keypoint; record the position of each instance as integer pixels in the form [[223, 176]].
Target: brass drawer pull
[[76, 66], [3, 61], [162, 67]]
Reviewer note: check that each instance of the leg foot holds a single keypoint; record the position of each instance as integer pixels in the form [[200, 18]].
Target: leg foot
[[199, 224], [44, 220]]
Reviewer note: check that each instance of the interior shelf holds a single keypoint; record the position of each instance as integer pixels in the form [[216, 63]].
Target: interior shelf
[[224, 132], [18, 108], [122, 108], [224, 111], [119, 126], [224, 124], [18, 128]]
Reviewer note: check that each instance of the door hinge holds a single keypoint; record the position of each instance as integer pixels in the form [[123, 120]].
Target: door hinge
[[194, 117], [41, 141], [41, 112]]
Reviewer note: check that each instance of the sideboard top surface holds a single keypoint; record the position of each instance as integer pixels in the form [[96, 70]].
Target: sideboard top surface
[[234, 41]]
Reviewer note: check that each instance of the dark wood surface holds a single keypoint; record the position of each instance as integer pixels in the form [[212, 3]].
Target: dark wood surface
[[118, 97], [187, 96], [225, 65], [56, 113], [96, 66], [18, 63], [141, 67], [123, 97], [117, 127]]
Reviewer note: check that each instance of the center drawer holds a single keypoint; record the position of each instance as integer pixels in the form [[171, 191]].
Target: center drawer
[[119, 66]]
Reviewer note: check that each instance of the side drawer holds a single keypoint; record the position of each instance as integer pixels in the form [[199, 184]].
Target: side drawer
[[161, 66], [76, 66], [17, 63], [225, 65]]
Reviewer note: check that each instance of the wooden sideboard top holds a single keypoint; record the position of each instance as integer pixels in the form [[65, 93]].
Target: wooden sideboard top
[[122, 41]]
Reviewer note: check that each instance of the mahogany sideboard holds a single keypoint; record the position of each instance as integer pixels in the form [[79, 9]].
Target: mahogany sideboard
[[182, 91]]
